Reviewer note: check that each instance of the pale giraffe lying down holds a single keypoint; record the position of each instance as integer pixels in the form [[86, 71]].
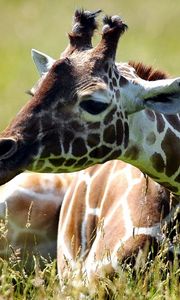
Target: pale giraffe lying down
[[109, 213], [29, 214]]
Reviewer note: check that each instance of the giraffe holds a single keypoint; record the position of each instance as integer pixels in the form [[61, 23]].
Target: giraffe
[[88, 109], [110, 213], [29, 215]]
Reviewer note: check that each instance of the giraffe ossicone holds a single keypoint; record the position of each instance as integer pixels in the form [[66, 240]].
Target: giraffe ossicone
[[88, 109]]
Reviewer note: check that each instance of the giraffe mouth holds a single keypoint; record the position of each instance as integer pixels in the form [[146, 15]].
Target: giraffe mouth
[[14, 157]]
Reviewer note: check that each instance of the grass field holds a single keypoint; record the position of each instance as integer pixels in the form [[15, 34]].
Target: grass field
[[154, 38], [157, 280]]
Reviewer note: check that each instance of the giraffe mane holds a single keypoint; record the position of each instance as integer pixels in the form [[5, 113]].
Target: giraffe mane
[[148, 72]]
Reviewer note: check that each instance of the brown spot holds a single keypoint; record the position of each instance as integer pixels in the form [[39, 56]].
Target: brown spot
[[100, 152], [173, 120], [110, 73], [151, 138], [57, 161], [76, 126], [69, 197], [114, 155], [79, 147], [106, 66], [118, 94], [46, 121], [132, 153], [119, 131], [177, 179], [109, 117], [111, 86], [109, 135], [72, 233], [91, 228], [34, 126], [126, 135], [116, 74], [93, 140], [146, 199], [89, 163], [160, 123], [49, 147], [121, 115], [98, 183], [132, 246], [39, 165], [115, 232], [47, 169], [95, 125], [81, 162], [122, 81], [114, 82], [106, 79], [150, 114], [69, 162], [157, 162], [171, 146]]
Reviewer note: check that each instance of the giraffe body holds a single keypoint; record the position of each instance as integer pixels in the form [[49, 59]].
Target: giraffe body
[[110, 213]]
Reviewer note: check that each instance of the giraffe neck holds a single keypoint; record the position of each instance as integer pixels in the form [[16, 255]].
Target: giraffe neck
[[154, 145]]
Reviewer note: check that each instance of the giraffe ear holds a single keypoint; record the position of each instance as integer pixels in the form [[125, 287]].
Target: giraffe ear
[[162, 96], [164, 103], [42, 61]]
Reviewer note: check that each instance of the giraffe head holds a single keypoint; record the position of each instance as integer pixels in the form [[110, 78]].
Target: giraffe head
[[78, 115]]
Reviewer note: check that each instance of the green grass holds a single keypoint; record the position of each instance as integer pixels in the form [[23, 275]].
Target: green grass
[[145, 277], [155, 280]]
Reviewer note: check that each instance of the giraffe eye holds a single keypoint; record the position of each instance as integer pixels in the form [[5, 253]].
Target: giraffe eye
[[93, 107]]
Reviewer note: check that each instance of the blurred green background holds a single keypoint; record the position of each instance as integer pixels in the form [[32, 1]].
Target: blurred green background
[[153, 37]]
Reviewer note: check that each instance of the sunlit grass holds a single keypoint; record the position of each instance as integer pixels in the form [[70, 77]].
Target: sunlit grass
[[145, 276], [157, 279]]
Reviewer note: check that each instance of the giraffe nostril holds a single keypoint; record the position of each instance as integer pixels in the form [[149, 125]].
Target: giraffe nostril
[[7, 147]]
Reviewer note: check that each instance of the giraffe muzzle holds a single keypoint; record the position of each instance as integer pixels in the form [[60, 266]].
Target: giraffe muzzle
[[8, 147]]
